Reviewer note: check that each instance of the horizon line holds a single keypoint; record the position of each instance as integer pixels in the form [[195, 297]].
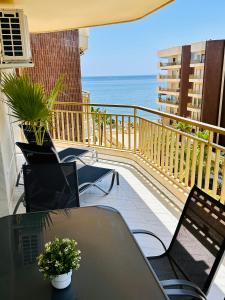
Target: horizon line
[[118, 75]]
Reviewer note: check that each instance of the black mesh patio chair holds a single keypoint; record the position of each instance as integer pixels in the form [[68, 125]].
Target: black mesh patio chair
[[87, 176], [65, 155], [49, 186], [187, 268]]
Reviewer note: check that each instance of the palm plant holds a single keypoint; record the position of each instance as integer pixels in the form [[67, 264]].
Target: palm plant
[[29, 103], [102, 119]]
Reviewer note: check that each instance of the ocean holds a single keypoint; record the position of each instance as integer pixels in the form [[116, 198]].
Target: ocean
[[130, 90]]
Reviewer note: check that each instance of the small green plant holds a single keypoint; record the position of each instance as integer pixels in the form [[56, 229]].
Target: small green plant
[[59, 257], [29, 103], [184, 127], [203, 134]]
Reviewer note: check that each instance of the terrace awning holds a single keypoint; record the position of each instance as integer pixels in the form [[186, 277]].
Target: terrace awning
[[56, 15]]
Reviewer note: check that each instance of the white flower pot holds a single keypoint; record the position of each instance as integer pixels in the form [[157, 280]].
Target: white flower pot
[[62, 281]]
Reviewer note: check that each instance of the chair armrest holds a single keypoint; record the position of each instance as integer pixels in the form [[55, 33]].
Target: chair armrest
[[21, 200], [181, 282], [72, 158], [142, 231], [184, 293]]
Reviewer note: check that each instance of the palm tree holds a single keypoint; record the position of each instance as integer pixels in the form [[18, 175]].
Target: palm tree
[[102, 119], [29, 103]]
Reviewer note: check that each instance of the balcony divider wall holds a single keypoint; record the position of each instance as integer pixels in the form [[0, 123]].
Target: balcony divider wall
[[55, 54], [184, 80], [212, 81]]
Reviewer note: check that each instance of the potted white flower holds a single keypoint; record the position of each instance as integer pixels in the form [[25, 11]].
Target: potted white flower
[[57, 261]]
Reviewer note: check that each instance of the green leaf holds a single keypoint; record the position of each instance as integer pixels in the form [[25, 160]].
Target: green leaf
[[29, 103]]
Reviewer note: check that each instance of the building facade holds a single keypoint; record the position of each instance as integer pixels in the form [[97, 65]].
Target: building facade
[[192, 81], [55, 54]]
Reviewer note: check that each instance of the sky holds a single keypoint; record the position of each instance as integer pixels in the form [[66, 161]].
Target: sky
[[131, 48]]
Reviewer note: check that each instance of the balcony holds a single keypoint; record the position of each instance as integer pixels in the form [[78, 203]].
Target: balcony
[[197, 63], [168, 91], [170, 65], [194, 107], [85, 97], [168, 101], [196, 78], [158, 164], [83, 40], [195, 93], [169, 78]]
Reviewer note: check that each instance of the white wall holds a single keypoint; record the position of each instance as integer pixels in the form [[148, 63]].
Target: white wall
[[8, 168]]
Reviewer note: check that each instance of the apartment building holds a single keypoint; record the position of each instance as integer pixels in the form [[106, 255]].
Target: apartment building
[[191, 81], [170, 78]]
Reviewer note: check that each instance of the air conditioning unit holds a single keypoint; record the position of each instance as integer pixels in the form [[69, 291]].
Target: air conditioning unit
[[14, 38]]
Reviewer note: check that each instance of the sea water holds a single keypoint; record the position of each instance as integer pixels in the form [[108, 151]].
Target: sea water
[[128, 90]]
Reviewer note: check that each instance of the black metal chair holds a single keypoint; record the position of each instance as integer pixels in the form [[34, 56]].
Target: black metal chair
[[50, 186], [87, 176], [65, 155], [187, 268]]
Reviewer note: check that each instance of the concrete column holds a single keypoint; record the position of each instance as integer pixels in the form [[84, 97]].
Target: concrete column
[[8, 167]]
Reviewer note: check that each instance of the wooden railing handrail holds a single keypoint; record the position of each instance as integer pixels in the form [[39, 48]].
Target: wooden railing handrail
[[199, 124]]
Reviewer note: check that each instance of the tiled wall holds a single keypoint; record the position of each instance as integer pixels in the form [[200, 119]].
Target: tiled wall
[[55, 54]]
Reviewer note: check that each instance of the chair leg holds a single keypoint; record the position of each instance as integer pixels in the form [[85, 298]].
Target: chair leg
[[112, 181], [96, 155], [21, 199], [90, 184], [18, 178], [117, 178]]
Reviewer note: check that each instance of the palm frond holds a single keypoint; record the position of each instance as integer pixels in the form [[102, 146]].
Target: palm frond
[[29, 103], [59, 85]]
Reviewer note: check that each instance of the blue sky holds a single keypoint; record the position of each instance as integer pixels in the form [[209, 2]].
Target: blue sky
[[130, 48]]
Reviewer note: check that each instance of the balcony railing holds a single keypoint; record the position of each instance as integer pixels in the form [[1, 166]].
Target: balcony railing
[[168, 77], [195, 106], [197, 61], [165, 89], [183, 157], [168, 64], [168, 101], [195, 93], [193, 76]]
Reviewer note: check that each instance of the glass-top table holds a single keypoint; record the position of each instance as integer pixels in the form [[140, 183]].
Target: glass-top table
[[112, 265]]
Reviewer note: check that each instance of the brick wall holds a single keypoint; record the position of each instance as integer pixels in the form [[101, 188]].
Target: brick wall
[[54, 54]]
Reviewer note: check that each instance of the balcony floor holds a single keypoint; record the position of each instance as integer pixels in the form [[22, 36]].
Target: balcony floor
[[144, 204]]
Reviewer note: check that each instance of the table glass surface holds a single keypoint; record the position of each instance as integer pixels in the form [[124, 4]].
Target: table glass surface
[[112, 265]]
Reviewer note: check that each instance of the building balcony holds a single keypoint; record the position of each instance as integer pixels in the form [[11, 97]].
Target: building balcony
[[83, 40], [195, 78], [86, 96], [168, 102], [194, 93], [194, 107], [170, 65], [168, 78], [197, 63], [168, 91]]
